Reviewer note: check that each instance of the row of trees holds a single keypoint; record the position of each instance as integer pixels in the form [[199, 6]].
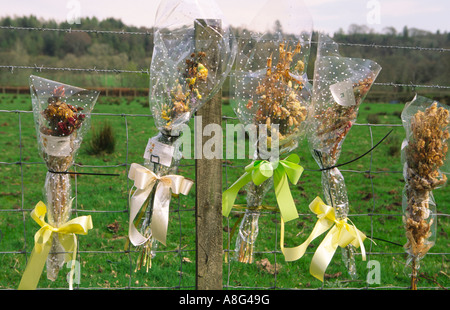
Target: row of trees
[[59, 44], [74, 49]]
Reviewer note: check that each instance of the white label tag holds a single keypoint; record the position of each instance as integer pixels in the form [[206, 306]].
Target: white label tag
[[159, 153], [404, 144], [343, 93], [56, 146]]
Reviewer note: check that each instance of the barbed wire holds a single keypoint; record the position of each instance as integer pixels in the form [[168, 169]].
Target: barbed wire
[[69, 30], [146, 71], [418, 48], [149, 33], [95, 70]]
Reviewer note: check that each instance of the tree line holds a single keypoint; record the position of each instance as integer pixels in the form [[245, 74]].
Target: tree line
[[73, 49]]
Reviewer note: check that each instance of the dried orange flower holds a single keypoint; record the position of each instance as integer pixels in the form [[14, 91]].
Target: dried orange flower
[[279, 100]]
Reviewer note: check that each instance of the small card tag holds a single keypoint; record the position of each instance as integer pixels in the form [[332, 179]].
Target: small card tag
[[343, 93], [56, 146], [404, 144], [159, 153]]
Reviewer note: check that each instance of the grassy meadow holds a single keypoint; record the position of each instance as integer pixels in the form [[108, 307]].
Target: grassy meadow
[[374, 184]]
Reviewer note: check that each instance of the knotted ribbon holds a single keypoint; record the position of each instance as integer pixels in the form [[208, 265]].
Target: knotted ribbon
[[341, 234], [43, 242], [144, 181], [259, 171]]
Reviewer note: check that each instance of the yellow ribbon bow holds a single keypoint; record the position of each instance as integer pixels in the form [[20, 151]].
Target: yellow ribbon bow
[[144, 181], [43, 242], [341, 234]]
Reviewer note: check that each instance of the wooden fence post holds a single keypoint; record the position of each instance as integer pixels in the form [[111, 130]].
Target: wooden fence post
[[209, 246]]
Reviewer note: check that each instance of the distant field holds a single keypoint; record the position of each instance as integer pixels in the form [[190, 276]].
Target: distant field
[[105, 264]]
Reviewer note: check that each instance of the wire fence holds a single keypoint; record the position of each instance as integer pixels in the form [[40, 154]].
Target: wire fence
[[182, 251], [121, 211]]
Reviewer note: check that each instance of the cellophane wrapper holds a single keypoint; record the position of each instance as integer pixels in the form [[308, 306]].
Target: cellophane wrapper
[[340, 86], [193, 53], [62, 117], [270, 94], [190, 37], [425, 159]]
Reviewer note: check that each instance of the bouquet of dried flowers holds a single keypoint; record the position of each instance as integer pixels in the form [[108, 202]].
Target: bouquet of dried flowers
[[270, 95], [278, 98], [424, 156], [184, 97], [193, 54], [180, 103], [62, 114], [340, 86]]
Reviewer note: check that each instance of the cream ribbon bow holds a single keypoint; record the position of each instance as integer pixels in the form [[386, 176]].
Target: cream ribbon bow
[[341, 234], [144, 181]]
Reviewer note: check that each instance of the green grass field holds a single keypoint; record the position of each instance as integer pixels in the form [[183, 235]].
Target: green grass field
[[374, 184]]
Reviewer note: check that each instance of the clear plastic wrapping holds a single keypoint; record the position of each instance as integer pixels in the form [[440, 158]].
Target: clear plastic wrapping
[[425, 162], [248, 233], [340, 86], [192, 56], [270, 92], [62, 116], [193, 53], [269, 85], [249, 226]]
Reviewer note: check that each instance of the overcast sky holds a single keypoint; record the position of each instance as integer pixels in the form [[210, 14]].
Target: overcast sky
[[327, 15]]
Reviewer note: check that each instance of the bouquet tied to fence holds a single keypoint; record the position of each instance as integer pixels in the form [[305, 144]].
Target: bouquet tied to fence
[[62, 117], [193, 54], [425, 160], [270, 97], [340, 86]]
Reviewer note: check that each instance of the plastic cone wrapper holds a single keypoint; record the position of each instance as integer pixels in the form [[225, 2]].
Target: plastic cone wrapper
[[193, 53], [425, 165], [62, 116], [270, 95], [339, 88]]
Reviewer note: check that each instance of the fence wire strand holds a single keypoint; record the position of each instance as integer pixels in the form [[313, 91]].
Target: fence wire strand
[[150, 33]]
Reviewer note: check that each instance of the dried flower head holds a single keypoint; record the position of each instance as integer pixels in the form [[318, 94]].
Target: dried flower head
[[337, 120], [425, 153], [186, 92], [62, 118], [279, 99]]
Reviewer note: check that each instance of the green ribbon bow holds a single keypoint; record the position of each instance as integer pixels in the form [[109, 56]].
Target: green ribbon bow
[[259, 171]]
